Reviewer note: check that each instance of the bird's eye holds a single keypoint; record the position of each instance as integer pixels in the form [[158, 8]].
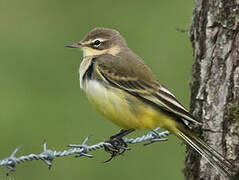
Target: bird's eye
[[96, 43]]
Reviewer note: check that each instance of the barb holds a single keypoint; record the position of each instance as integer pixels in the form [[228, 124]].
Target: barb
[[48, 155]]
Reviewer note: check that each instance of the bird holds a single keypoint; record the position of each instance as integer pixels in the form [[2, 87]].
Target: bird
[[122, 88]]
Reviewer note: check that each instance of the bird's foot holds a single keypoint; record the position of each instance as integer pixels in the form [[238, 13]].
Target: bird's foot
[[117, 145]]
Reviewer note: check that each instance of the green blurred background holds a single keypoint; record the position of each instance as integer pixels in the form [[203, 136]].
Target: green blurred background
[[40, 97]]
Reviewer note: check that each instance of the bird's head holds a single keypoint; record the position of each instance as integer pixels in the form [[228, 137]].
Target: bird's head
[[100, 41]]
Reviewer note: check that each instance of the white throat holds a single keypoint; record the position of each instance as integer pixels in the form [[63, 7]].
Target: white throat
[[88, 54], [85, 64]]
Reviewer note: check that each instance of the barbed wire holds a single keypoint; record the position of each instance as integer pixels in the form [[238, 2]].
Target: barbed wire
[[48, 155]]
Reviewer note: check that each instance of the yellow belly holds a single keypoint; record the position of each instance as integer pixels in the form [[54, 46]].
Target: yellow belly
[[126, 110]]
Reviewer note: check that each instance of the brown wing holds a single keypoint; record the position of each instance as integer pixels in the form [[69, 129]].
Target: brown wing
[[136, 84]]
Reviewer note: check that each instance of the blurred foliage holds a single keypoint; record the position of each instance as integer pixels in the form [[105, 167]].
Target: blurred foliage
[[40, 96]]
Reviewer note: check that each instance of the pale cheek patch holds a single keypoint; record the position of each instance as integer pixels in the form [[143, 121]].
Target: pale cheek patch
[[87, 51], [92, 52]]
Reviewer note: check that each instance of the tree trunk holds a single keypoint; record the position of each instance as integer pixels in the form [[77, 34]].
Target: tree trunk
[[215, 84]]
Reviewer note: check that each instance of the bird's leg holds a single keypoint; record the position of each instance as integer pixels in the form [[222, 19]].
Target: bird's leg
[[118, 146]]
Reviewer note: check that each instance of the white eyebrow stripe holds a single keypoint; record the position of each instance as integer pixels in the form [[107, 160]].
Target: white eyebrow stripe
[[100, 39], [92, 40]]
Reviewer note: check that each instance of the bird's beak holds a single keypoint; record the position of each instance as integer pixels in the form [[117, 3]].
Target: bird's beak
[[74, 45]]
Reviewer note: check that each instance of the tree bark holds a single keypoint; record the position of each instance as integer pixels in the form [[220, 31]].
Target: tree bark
[[215, 84]]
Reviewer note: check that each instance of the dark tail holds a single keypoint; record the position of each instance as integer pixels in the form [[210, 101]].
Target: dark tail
[[212, 156]]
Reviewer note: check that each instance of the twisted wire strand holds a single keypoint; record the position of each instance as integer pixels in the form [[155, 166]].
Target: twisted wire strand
[[48, 155]]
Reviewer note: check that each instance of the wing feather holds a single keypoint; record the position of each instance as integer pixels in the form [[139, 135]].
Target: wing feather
[[150, 90]]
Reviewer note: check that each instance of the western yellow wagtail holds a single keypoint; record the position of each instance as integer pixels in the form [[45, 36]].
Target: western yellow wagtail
[[123, 89]]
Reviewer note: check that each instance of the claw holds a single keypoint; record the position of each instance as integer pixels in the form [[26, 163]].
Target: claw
[[118, 145], [114, 151], [108, 160]]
